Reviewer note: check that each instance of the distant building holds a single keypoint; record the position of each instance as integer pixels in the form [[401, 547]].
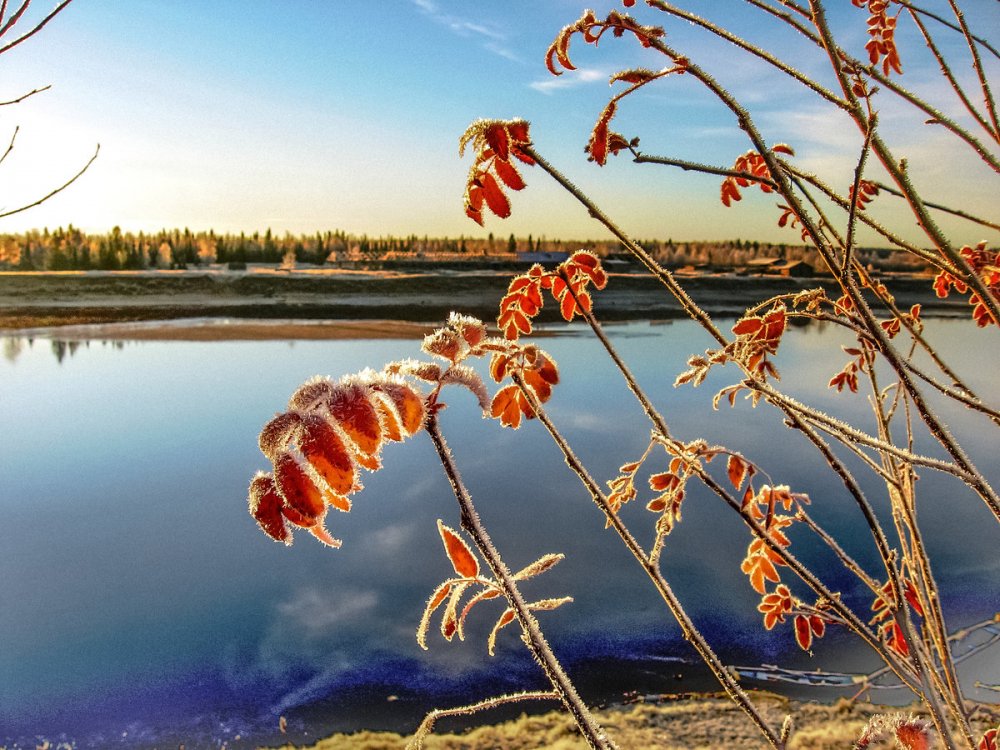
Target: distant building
[[540, 257]]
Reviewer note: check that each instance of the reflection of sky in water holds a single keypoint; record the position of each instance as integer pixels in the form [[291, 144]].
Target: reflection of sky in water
[[143, 592]]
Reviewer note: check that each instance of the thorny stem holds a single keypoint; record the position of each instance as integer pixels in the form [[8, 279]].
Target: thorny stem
[[688, 628], [871, 70], [902, 496], [657, 419], [835, 427], [977, 65], [945, 22], [751, 48], [939, 207], [946, 72], [533, 637], [690, 166], [658, 271], [901, 178], [936, 427], [852, 213], [849, 562], [427, 725]]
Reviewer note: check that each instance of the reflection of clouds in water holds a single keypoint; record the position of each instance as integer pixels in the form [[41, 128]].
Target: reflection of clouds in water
[[315, 613], [391, 540]]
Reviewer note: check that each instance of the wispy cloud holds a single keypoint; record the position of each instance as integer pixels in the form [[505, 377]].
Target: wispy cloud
[[570, 79], [494, 40]]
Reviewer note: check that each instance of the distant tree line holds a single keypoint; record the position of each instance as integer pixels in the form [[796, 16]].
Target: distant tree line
[[71, 249]]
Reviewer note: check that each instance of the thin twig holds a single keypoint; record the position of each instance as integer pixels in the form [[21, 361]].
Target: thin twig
[[25, 96], [41, 24], [946, 72], [977, 65], [59, 189], [427, 725], [945, 22], [533, 637], [940, 207]]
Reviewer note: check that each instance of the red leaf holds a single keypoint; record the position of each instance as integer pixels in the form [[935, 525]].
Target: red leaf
[[265, 507], [297, 488], [567, 306], [496, 136], [461, 557], [817, 625], [494, 195], [598, 145], [803, 632], [509, 174], [748, 326]]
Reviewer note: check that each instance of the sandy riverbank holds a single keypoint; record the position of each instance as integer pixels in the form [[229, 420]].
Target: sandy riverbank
[[41, 300], [700, 723]]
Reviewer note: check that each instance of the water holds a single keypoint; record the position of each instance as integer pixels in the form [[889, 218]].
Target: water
[[140, 605]]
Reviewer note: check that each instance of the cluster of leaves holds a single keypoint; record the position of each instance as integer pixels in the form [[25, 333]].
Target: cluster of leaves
[[464, 337], [984, 264], [761, 562], [882, 30], [317, 447], [867, 191], [848, 376], [568, 284], [603, 140], [752, 169], [685, 461], [497, 143], [468, 577], [884, 606], [757, 337]]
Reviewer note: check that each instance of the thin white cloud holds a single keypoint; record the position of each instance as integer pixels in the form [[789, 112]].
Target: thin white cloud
[[570, 79], [465, 28]]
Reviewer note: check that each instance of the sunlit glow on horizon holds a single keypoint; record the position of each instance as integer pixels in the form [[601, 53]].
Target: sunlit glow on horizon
[[346, 117]]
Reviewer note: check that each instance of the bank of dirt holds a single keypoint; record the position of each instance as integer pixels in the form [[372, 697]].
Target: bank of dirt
[[36, 300]]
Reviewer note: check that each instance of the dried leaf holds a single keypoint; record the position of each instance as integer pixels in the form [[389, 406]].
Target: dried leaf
[[458, 552]]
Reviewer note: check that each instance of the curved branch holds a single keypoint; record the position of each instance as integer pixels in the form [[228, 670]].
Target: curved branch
[[41, 24], [59, 189], [25, 96]]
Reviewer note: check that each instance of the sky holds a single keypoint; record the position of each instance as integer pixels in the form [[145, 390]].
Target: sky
[[316, 115]]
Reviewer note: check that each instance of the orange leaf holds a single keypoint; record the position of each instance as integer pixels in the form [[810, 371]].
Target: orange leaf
[[505, 406], [737, 469], [598, 145], [325, 452], [350, 406], [458, 551]]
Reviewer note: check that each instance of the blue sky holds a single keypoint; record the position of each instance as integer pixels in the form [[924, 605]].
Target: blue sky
[[307, 115]]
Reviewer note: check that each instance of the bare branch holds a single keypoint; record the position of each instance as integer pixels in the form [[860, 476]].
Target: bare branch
[[59, 189], [25, 96], [39, 27]]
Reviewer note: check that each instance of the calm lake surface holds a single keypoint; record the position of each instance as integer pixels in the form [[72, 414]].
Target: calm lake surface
[[140, 605]]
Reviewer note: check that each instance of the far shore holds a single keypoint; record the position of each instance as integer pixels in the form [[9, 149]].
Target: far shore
[[342, 303]]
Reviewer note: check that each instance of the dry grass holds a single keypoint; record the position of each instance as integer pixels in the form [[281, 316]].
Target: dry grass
[[709, 723]]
